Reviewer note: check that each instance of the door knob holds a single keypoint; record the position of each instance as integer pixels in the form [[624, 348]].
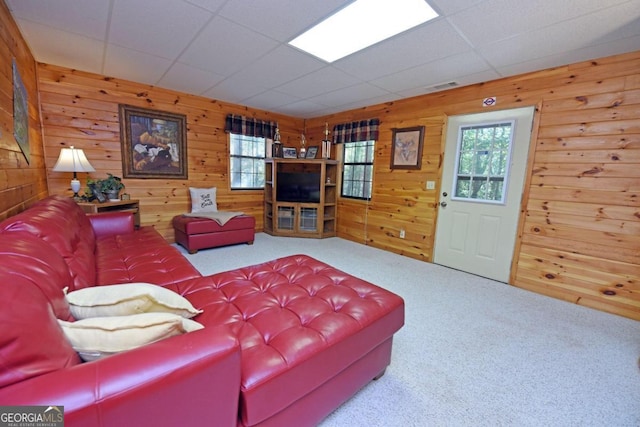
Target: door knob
[[444, 194], [443, 204]]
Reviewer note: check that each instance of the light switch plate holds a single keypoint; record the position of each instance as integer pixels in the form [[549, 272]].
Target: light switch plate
[[431, 185]]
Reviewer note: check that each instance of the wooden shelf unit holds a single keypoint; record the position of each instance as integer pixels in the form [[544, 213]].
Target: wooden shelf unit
[[297, 219]]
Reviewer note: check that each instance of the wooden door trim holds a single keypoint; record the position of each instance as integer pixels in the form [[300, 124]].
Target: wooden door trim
[[524, 201]]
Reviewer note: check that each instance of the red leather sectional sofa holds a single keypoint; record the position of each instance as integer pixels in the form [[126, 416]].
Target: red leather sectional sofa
[[284, 343]]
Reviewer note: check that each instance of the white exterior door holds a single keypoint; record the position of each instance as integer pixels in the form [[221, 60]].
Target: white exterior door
[[482, 180]]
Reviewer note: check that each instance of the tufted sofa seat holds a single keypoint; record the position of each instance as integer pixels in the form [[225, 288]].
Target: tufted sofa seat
[[284, 342], [305, 329]]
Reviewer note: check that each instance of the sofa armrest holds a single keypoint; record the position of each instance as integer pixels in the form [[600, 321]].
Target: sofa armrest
[[111, 223], [190, 379]]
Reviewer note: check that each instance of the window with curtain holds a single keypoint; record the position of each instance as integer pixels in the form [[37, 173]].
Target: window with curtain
[[358, 147], [246, 156], [247, 147], [357, 172]]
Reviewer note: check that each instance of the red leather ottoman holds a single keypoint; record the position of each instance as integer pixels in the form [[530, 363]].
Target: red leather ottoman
[[195, 233]]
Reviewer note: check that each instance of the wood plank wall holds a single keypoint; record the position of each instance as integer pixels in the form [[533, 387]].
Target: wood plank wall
[[21, 182], [81, 109], [580, 228]]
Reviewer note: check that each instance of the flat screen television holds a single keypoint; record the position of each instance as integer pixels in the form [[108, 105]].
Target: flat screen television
[[298, 187]]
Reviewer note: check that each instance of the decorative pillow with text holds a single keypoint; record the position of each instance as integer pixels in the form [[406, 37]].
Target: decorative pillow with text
[[203, 199]]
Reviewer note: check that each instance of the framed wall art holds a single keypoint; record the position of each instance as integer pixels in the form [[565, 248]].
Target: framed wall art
[[154, 143], [406, 148], [20, 113]]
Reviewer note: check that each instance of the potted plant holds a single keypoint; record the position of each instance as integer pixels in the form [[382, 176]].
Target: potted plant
[[109, 186]]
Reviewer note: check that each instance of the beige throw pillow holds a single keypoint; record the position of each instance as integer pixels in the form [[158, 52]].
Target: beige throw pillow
[[102, 336], [126, 299], [203, 199]]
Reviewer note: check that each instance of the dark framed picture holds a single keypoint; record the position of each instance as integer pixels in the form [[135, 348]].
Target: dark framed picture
[[154, 143], [289, 153], [312, 152], [20, 113], [406, 148]]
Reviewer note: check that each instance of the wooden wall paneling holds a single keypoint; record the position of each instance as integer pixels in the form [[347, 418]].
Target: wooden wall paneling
[[580, 215], [581, 195], [81, 109], [21, 182]]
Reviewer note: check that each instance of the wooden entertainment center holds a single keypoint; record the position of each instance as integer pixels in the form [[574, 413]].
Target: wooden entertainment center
[[300, 197]]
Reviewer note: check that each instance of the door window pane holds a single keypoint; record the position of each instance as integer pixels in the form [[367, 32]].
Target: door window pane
[[483, 162]]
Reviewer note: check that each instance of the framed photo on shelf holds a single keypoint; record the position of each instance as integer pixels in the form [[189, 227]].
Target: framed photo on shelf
[[312, 152], [154, 143], [406, 148], [289, 153]]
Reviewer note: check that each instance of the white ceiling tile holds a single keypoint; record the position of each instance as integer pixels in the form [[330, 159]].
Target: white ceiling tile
[[235, 50], [235, 90], [135, 66], [163, 28], [273, 69], [370, 101], [435, 72], [87, 17], [451, 6], [57, 47], [305, 109], [271, 99], [569, 57], [318, 82], [430, 41], [462, 81], [349, 94], [587, 30], [224, 47], [494, 20], [280, 19], [210, 5], [184, 78]]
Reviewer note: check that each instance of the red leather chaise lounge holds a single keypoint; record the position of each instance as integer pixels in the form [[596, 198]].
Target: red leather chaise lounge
[[284, 343]]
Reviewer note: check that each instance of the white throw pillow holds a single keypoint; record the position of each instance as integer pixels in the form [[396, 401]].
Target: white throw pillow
[[102, 336], [127, 298], [203, 199]]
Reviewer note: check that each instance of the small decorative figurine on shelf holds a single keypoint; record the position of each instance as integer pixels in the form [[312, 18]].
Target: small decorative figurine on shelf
[[277, 144], [303, 148], [326, 143]]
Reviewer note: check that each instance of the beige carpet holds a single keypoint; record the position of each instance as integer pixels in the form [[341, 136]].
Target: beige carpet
[[474, 352]]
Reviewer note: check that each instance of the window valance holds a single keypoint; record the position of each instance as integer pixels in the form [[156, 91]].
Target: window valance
[[363, 130], [249, 126]]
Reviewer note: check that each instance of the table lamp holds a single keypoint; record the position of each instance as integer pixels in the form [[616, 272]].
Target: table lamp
[[73, 160]]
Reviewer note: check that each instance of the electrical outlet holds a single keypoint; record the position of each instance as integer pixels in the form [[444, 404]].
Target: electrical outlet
[[431, 185], [402, 233]]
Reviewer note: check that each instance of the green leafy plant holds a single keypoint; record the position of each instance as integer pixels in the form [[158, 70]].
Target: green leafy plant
[[112, 184]]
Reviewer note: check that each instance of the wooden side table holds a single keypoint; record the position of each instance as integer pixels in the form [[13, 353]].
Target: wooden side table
[[119, 206]]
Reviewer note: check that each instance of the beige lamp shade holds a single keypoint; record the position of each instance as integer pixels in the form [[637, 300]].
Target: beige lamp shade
[[73, 160]]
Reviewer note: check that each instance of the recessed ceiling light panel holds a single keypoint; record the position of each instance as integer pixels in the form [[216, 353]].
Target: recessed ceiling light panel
[[360, 25]]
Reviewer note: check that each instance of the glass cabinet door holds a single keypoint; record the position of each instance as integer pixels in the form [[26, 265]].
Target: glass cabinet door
[[308, 219]]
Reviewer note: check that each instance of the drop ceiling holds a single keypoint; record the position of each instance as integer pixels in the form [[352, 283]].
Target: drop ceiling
[[236, 50]]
